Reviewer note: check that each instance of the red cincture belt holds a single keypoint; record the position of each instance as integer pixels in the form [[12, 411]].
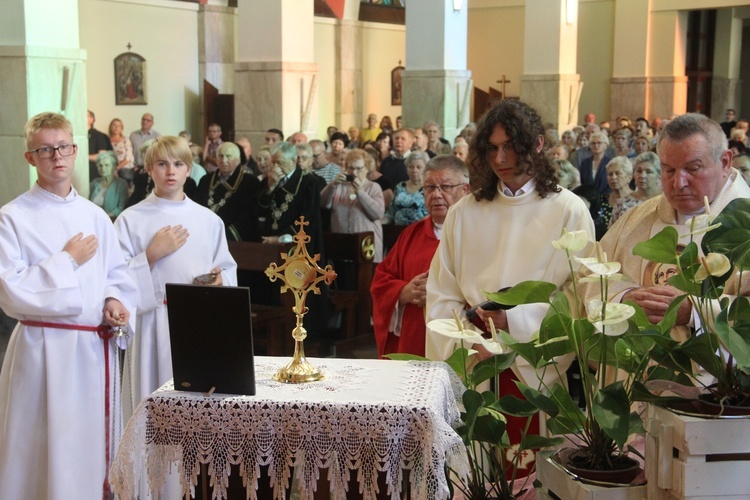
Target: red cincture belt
[[105, 333]]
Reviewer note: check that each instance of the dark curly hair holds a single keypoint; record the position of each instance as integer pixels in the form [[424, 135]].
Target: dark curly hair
[[523, 126]]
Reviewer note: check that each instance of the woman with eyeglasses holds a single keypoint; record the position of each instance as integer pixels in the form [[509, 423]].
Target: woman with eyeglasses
[[356, 203], [594, 170], [408, 203]]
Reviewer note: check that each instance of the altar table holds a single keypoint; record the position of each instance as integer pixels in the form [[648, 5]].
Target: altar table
[[365, 417]]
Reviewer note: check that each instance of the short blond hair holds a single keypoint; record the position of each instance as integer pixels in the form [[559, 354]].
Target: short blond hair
[[46, 120], [168, 146]]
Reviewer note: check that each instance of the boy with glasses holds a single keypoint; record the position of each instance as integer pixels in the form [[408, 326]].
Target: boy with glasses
[[62, 275]]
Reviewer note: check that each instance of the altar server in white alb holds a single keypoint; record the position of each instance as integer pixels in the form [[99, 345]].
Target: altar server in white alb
[[167, 238], [63, 276]]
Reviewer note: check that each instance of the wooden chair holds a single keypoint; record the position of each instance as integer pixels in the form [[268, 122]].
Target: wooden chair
[[391, 232], [272, 324], [351, 256]]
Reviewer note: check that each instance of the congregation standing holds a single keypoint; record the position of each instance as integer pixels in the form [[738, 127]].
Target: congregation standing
[[477, 215]]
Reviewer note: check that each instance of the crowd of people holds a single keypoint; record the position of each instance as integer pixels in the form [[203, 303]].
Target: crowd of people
[[478, 214]]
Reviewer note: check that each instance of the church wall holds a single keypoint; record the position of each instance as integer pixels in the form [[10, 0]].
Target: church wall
[[595, 52], [165, 34], [383, 46], [325, 57], [495, 46]]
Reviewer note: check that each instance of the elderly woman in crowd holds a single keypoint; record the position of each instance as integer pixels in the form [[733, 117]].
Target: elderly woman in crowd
[[593, 170], [356, 203], [621, 139], [647, 182], [567, 175], [619, 174], [263, 159], [123, 148], [408, 204], [109, 192]]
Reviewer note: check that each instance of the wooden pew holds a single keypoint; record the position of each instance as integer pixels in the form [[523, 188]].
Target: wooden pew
[[272, 324], [351, 256]]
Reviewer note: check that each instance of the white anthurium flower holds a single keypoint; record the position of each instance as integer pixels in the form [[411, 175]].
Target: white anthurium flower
[[593, 278], [616, 321], [573, 241], [701, 223], [714, 264], [599, 268], [492, 346]]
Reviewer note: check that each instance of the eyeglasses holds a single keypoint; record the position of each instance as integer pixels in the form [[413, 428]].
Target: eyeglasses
[[443, 188], [49, 152], [354, 169], [595, 143]]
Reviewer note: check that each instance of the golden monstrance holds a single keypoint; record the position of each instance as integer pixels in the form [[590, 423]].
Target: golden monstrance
[[300, 274]]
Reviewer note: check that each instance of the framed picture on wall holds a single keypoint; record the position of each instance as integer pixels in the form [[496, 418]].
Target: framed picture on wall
[[130, 79], [396, 85]]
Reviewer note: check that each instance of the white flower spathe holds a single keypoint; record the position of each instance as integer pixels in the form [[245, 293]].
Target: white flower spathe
[[575, 241], [599, 268], [714, 264], [616, 320]]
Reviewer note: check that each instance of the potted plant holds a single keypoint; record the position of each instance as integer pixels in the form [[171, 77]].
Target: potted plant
[[711, 369], [491, 474], [613, 357]]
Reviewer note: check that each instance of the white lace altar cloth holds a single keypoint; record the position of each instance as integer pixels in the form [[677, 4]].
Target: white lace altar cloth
[[365, 417]]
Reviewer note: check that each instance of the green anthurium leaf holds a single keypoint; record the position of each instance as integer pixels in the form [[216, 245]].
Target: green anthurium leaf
[[734, 342], [405, 357], [689, 255], [684, 283], [544, 403], [670, 317], [635, 424], [527, 350], [661, 372], [489, 426], [627, 357], [612, 412], [739, 310], [702, 349], [473, 401], [641, 393], [526, 292], [514, 406], [488, 368], [660, 248], [553, 338], [732, 237], [457, 361], [534, 442], [570, 419]]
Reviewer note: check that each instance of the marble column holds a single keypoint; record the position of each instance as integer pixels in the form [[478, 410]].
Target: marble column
[[630, 80], [726, 84], [43, 68], [666, 87], [216, 35], [349, 56], [550, 82], [435, 83], [276, 75]]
